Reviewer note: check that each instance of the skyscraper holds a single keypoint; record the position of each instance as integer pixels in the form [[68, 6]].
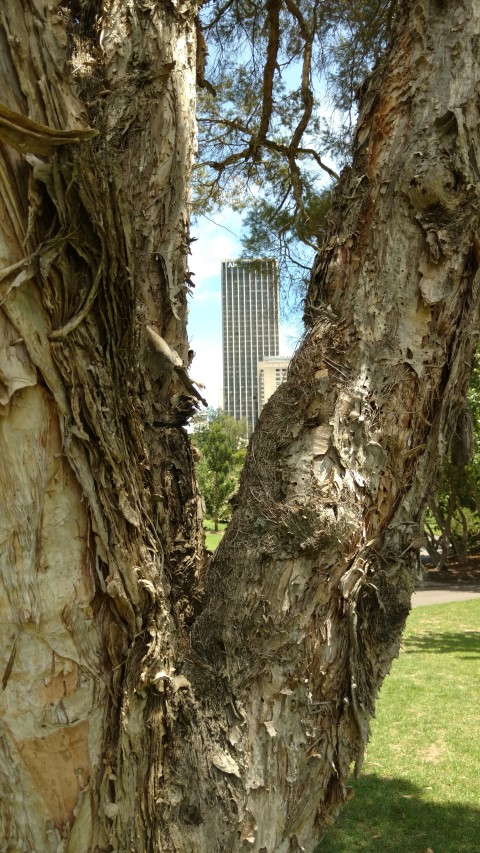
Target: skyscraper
[[250, 333]]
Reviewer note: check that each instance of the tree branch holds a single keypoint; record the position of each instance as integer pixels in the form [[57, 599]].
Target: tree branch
[[313, 153], [218, 16], [273, 20]]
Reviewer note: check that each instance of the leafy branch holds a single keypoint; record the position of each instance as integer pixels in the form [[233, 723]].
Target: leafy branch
[[278, 69]]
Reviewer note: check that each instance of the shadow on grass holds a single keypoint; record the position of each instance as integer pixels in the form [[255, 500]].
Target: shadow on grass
[[391, 816], [452, 586], [465, 643]]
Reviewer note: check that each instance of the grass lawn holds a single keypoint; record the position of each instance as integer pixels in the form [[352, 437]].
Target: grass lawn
[[420, 786], [213, 539]]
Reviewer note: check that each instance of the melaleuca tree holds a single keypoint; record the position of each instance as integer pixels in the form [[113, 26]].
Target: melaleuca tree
[[151, 700]]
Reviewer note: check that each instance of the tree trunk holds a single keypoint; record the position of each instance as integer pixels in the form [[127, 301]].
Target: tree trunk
[[135, 715], [101, 538]]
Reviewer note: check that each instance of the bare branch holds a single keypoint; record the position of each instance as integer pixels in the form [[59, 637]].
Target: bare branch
[[220, 165], [273, 22], [218, 16], [317, 158], [306, 91]]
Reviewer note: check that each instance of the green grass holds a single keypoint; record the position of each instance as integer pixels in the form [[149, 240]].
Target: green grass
[[420, 786], [213, 539]]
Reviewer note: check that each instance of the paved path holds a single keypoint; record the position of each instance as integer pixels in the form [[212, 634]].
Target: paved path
[[436, 594]]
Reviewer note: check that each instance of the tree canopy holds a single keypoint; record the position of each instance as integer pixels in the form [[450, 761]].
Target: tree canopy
[[277, 107]]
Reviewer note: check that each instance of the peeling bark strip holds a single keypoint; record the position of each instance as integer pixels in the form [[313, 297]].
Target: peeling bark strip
[[99, 507], [29, 136], [123, 730]]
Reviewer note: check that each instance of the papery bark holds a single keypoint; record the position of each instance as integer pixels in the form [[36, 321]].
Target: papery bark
[[135, 714], [309, 591], [100, 533]]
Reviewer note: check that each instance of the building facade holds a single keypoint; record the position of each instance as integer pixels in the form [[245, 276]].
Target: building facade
[[271, 373], [250, 331]]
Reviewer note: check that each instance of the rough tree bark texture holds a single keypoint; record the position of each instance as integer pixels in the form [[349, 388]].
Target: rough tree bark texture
[[308, 594], [99, 532], [121, 728]]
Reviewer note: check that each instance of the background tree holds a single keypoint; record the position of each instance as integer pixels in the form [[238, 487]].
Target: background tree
[[453, 525], [151, 702], [221, 441]]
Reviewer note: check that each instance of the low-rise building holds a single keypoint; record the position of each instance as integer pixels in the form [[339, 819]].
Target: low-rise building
[[271, 373]]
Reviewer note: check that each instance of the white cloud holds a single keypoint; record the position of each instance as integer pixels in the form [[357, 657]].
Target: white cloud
[[290, 334], [207, 369], [206, 294], [216, 240]]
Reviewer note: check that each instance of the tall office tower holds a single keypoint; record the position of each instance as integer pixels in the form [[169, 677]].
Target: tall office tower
[[249, 331]]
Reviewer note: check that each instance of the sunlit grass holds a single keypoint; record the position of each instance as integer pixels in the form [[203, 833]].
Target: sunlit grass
[[420, 786], [212, 539]]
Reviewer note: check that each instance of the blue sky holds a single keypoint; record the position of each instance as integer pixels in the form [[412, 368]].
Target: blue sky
[[217, 239]]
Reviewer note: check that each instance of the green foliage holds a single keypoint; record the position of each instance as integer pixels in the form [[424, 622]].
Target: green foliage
[[221, 441], [361, 29], [283, 79], [474, 404], [271, 231], [455, 507]]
